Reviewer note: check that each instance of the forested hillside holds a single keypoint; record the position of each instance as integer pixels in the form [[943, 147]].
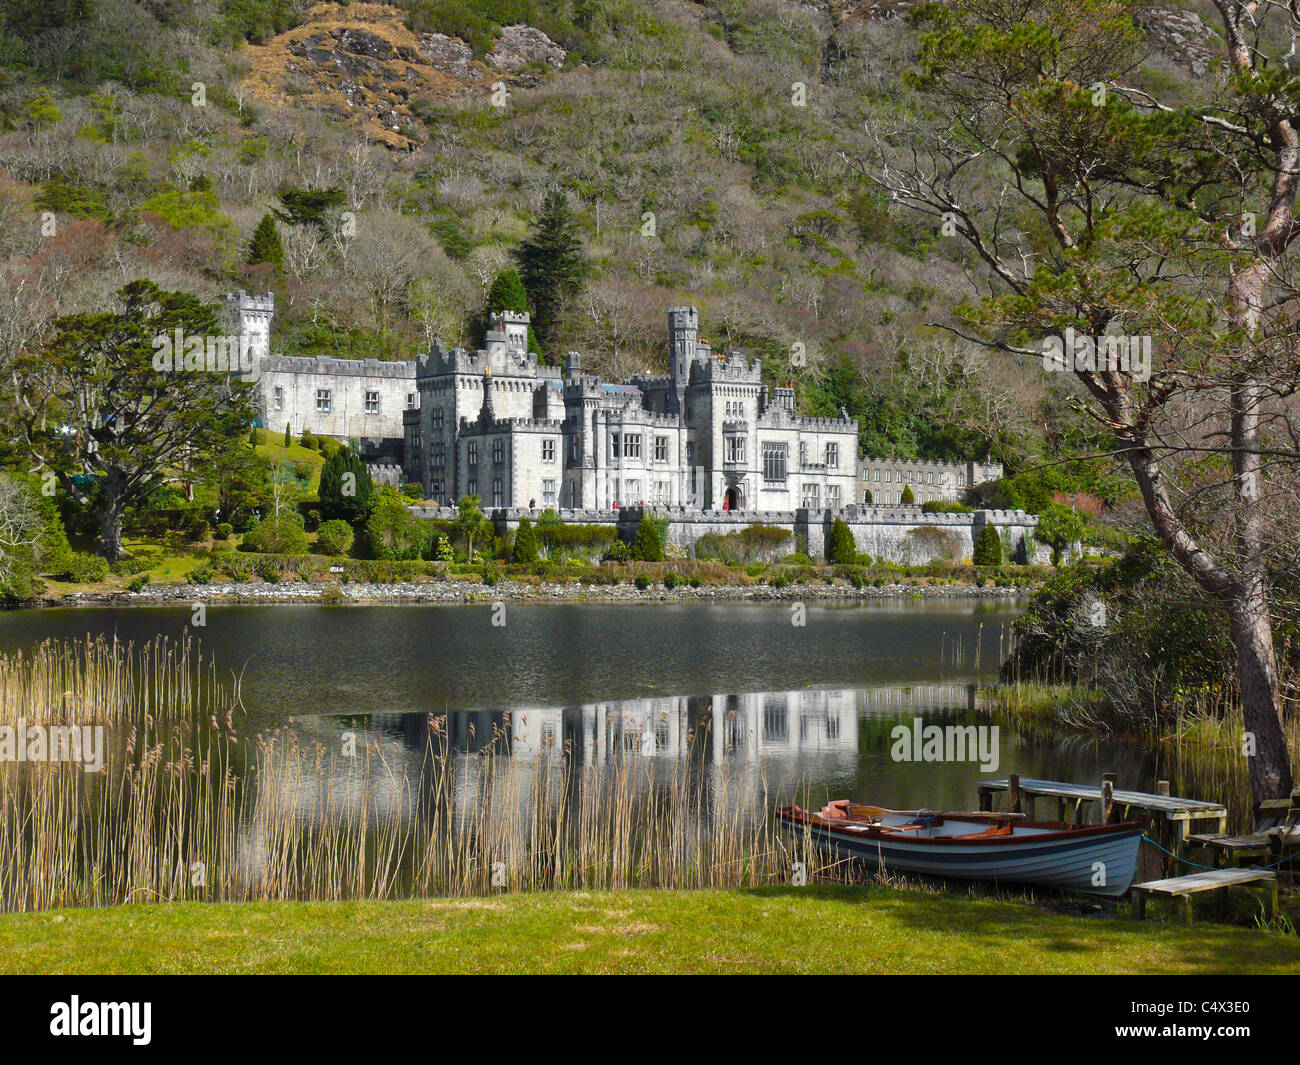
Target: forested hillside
[[378, 167]]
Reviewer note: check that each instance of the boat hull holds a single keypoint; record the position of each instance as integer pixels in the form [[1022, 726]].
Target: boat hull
[[1096, 860]]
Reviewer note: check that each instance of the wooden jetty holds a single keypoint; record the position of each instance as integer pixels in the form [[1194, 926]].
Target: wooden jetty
[[1216, 880], [1169, 816]]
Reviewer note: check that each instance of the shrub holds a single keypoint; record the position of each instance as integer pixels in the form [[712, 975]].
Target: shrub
[[642, 582], [443, 551], [908, 495], [392, 531], [752, 543], [841, 550], [334, 537], [412, 490], [670, 580], [946, 506], [282, 534], [617, 552], [798, 558], [138, 582], [201, 574], [225, 530], [988, 547], [84, 569]]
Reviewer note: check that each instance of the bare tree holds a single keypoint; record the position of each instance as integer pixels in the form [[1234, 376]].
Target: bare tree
[[1090, 206]]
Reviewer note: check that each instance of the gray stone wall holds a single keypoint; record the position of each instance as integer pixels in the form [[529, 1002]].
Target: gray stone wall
[[904, 535]]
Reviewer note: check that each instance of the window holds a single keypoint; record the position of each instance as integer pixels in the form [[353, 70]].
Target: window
[[811, 496], [735, 449], [498, 451], [437, 455], [832, 495], [833, 456], [323, 398], [472, 454], [803, 453], [472, 487], [410, 401], [548, 450], [690, 451], [632, 491], [575, 448], [661, 492], [695, 486], [875, 475], [613, 446], [548, 492], [372, 402], [277, 398], [631, 445], [775, 460], [661, 449], [498, 497], [929, 478], [435, 418]]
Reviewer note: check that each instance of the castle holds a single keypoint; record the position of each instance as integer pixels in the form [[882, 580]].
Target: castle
[[709, 435]]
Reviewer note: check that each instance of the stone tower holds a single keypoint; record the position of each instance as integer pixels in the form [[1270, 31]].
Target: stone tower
[[683, 338], [250, 317]]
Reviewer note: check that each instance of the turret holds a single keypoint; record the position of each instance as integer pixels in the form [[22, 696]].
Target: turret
[[683, 335], [250, 317]]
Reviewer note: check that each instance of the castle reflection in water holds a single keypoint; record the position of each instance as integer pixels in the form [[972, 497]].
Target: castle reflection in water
[[726, 727]]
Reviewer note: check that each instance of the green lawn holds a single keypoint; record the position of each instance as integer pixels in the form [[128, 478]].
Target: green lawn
[[271, 446], [812, 929]]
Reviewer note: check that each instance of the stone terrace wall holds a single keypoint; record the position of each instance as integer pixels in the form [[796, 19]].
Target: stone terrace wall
[[905, 535]]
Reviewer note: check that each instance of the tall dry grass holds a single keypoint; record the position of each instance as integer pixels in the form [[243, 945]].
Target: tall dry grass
[[187, 808], [109, 682]]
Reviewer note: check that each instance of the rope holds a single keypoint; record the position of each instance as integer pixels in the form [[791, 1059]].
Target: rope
[[1198, 865]]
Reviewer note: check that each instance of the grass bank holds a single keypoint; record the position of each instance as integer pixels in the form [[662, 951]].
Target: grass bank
[[814, 929]]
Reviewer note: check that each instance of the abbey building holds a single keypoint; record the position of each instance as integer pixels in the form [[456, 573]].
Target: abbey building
[[709, 435]]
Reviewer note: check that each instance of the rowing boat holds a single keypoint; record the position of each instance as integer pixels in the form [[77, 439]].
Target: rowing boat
[[996, 847]]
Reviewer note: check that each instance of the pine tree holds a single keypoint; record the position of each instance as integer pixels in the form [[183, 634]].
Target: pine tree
[[552, 264], [525, 552], [345, 485], [650, 536], [841, 550], [988, 547], [265, 245], [288, 436], [507, 293]]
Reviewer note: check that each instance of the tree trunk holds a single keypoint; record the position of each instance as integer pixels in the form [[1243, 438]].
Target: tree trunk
[[110, 517], [1252, 634]]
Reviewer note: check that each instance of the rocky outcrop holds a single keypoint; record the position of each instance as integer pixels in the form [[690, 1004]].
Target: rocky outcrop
[[519, 45], [1182, 36], [361, 64]]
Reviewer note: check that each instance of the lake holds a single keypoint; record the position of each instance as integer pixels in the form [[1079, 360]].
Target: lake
[[806, 703]]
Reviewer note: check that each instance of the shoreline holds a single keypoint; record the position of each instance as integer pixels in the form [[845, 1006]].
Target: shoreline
[[453, 592]]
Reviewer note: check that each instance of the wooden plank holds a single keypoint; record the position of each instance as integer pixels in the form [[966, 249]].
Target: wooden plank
[[1173, 805], [1209, 880]]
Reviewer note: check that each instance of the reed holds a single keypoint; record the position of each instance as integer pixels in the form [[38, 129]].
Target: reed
[[108, 682], [187, 808]]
